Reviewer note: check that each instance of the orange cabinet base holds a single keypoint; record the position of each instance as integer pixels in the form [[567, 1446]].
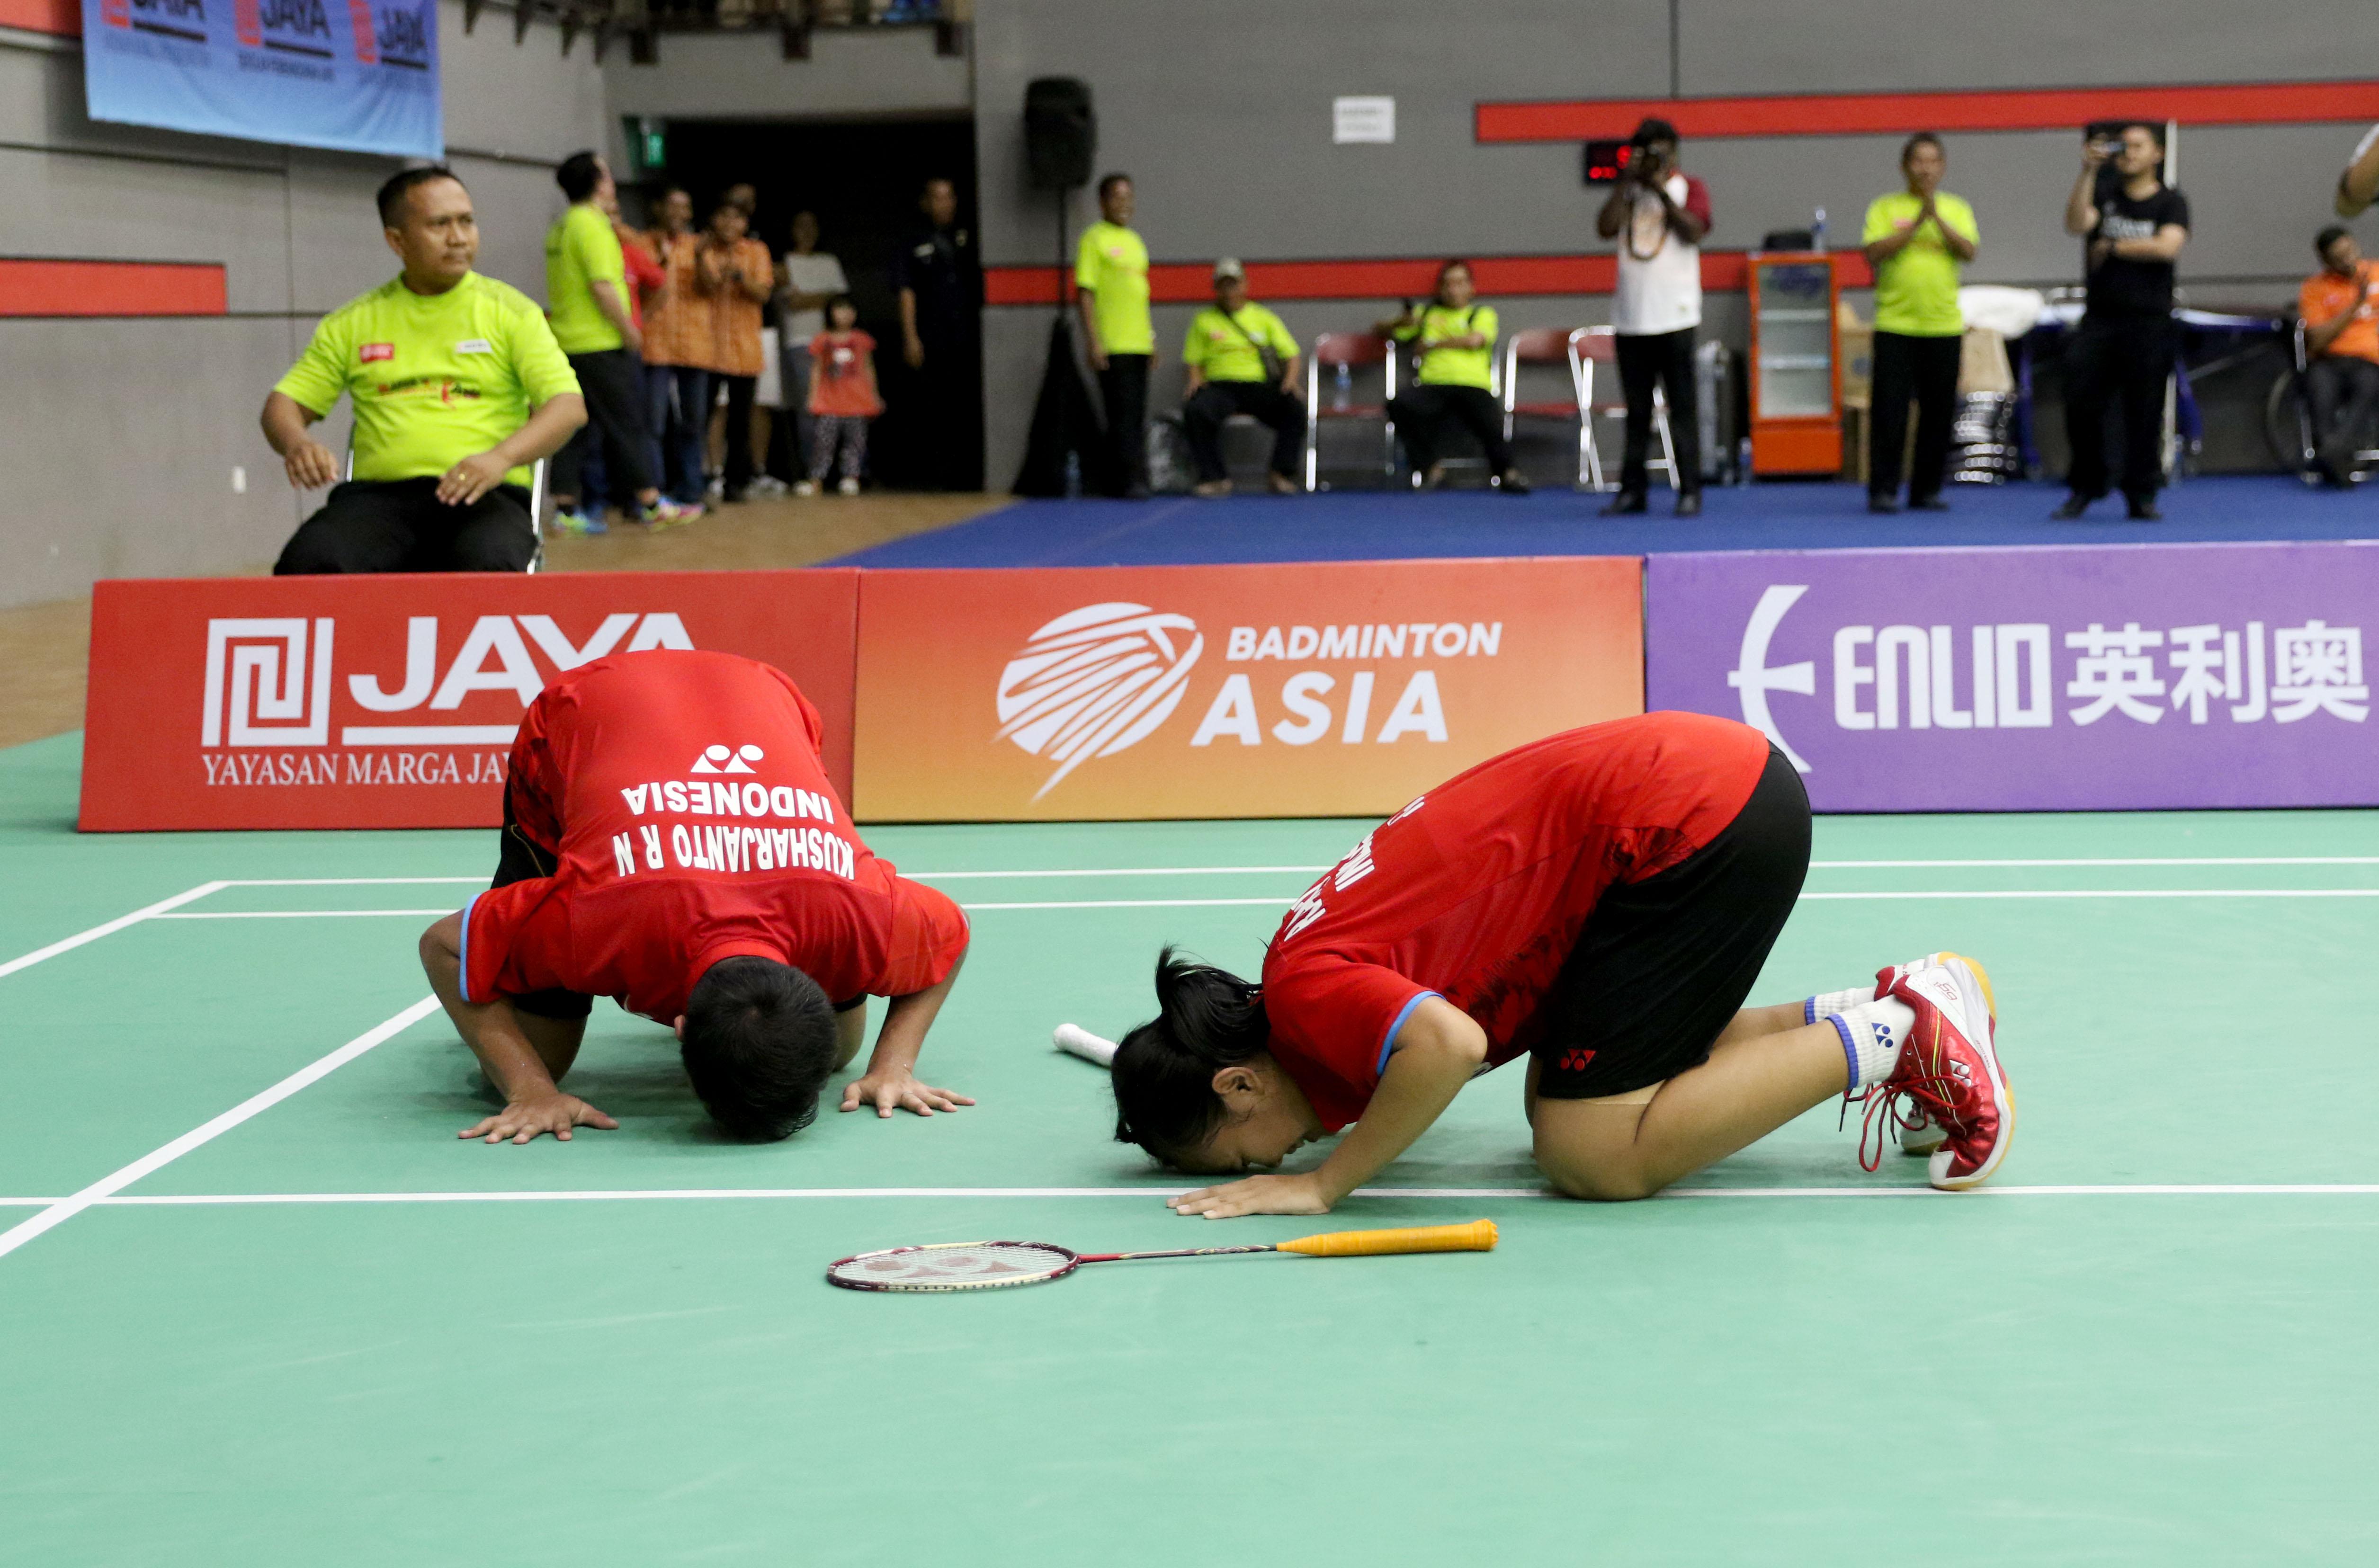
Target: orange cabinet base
[[1797, 446]]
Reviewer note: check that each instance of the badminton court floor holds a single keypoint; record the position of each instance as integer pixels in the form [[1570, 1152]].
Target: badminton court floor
[[259, 1305]]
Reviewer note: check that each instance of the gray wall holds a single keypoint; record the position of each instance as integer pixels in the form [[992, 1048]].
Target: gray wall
[[1239, 161], [119, 436], [746, 76]]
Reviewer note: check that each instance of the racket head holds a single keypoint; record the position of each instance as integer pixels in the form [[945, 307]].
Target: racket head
[[954, 1265]]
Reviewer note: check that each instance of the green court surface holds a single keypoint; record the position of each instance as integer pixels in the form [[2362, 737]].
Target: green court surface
[[332, 1332]]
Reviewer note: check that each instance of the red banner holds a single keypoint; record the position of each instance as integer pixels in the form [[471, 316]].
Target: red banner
[[390, 701]]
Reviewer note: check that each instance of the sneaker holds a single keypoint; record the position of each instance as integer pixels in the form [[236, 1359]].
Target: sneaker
[[1626, 504], [767, 487], [1950, 1069], [805, 487], [1513, 482], [666, 513], [581, 523], [849, 486], [2071, 508]]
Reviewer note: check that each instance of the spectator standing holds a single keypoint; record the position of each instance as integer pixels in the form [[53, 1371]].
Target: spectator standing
[[2341, 334], [677, 348], [1915, 240], [940, 285], [1453, 340], [440, 482], [808, 281], [1111, 293], [736, 271], [1659, 213], [587, 300], [646, 278], [1241, 360], [2132, 226], [842, 398]]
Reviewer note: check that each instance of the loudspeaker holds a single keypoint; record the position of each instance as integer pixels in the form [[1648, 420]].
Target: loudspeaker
[[1061, 133]]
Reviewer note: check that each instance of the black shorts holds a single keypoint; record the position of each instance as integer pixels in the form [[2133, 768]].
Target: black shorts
[[519, 860], [1664, 964]]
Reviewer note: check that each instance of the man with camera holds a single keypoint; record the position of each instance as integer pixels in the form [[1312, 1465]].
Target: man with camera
[[2341, 338], [1663, 214], [2133, 226]]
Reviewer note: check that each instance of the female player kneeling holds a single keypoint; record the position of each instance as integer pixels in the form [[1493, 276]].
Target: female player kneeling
[[1600, 901]]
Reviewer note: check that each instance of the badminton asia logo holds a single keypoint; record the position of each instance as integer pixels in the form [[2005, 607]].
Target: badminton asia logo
[[1095, 681]]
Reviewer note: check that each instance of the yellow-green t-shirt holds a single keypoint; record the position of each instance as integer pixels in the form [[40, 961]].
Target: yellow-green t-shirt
[[582, 250], [1454, 366], [1223, 347], [1113, 264], [435, 377], [1917, 291]]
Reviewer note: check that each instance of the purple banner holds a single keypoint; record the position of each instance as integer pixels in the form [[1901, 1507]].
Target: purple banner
[[2079, 678]]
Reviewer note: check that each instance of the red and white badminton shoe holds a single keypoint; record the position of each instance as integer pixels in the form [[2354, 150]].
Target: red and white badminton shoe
[[1950, 1067], [1919, 1133]]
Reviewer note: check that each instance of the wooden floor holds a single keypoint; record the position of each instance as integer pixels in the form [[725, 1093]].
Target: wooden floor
[[45, 646]]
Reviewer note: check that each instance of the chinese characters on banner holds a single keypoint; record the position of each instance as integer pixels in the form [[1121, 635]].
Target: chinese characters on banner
[[2035, 678]]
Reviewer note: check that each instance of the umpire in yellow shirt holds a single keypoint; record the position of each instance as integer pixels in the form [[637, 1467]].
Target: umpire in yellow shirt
[[1111, 292], [1227, 351], [458, 387]]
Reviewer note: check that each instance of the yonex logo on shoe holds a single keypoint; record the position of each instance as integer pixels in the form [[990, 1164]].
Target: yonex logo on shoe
[[737, 760]]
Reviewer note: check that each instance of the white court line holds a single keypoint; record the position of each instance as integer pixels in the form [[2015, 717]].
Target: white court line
[[149, 911], [295, 914], [2120, 893], [343, 881], [106, 1187], [1131, 871], [1464, 1194], [2179, 859]]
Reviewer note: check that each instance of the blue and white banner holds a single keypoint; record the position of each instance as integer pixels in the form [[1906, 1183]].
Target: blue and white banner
[[361, 75]]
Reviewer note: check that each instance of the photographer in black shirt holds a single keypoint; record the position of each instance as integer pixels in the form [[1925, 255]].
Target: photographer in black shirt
[[2132, 228]]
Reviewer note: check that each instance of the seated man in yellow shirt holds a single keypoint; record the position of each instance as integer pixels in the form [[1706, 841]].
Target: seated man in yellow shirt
[[458, 387], [1452, 342], [1225, 350]]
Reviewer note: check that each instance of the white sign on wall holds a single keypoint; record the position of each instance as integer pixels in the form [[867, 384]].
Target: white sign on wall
[[1362, 119]]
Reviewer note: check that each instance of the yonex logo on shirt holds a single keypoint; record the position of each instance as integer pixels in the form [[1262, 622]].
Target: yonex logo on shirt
[[737, 761]]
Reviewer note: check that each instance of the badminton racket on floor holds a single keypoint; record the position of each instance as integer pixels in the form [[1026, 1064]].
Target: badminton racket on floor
[[1079, 1041], [989, 1265]]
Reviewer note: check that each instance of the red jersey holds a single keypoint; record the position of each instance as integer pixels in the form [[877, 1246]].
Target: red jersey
[[1476, 891], [682, 796], [842, 376]]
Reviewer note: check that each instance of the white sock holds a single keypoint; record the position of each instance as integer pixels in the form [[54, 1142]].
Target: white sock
[[1826, 1004], [1872, 1034]]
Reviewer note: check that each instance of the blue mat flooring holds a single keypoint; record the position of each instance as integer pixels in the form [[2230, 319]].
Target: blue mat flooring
[[1378, 526]]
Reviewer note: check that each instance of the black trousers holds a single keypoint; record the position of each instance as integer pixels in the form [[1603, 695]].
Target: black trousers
[[613, 384], [1123, 385], [1926, 370], [1424, 414], [1668, 358], [2125, 360], [740, 470], [1203, 416], [401, 525], [2344, 392]]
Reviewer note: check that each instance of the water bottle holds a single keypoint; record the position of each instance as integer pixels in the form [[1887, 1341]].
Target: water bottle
[[1341, 389], [1073, 474], [1818, 230]]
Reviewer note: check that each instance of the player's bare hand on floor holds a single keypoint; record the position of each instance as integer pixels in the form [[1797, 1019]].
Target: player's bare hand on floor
[[523, 1120], [891, 1092], [1257, 1195]]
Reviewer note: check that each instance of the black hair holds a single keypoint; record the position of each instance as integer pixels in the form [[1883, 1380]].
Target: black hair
[[1206, 1020], [579, 174], [759, 1044], [1922, 139], [837, 302], [1449, 267], [2327, 238], [1652, 128], [2156, 131], [1106, 181], [400, 185]]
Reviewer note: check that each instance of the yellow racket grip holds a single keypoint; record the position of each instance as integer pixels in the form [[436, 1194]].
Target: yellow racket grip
[[1479, 1235]]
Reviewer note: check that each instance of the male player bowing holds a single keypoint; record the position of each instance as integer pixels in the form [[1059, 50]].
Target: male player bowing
[[1600, 901], [670, 841]]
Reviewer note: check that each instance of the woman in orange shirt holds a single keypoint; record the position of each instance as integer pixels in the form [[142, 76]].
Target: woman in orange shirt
[[843, 397]]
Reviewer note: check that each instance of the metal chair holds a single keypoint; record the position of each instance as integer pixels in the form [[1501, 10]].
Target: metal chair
[[2308, 447], [1549, 345], [1344, 353], [536, 506], [1599, 345]]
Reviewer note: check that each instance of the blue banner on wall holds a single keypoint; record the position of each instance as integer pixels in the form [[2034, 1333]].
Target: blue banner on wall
[[361, 75]]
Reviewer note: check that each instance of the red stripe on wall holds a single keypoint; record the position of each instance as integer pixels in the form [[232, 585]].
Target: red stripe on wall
[[63, 17], [1185, 283], [1851, 114], [33, 287]]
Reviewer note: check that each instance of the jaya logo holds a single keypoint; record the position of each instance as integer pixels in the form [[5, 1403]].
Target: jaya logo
[[1095, 681]]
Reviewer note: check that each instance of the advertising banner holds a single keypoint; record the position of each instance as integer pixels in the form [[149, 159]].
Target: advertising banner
[[2087, 678], [391, 701], [357, 75], [1331, 689]]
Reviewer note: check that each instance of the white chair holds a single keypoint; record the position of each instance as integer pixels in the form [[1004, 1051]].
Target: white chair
[[1599, 345], [1551, 345]]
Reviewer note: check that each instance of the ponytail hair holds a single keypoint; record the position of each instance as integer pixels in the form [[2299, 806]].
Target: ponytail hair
[[1206, 1020]]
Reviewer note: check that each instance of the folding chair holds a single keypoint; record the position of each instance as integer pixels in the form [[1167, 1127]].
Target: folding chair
[[1549, 345], [2308, 452], [536, 506], [1599, 345], [1344, 353]]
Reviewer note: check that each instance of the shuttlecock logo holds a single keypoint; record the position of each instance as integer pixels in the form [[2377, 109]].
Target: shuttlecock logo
[[1095, 682]]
